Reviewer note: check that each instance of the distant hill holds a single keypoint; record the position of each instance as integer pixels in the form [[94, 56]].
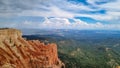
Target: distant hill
[[83, 48]]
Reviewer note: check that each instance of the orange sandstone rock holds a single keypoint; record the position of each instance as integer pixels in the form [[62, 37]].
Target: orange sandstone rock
[[16, 52], [117, 66]]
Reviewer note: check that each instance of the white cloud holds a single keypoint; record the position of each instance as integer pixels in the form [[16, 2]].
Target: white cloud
[[53, 12], [114, 14], [61, 10], [58, 8], [56, 23], [63, 23], [112, 6], [112, 9]]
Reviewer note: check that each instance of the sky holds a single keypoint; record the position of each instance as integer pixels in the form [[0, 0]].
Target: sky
[[60, 14]]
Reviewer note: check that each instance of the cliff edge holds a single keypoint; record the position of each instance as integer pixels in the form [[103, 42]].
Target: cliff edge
[[16, 52]]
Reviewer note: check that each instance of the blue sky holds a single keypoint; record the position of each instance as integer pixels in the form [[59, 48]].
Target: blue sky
[[60, 14]]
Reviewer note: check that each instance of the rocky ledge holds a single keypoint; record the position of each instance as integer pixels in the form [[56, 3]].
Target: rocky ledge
[[17, 52]]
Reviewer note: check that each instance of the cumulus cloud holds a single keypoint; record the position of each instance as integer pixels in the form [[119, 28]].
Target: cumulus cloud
[[61, 23], [64, 23], [61, 11]]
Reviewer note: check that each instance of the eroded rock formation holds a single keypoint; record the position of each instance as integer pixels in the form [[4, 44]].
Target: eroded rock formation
[[16, 52]]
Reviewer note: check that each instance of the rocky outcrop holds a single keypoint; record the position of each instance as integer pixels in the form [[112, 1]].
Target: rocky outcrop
[[16, 52], [117, 66]]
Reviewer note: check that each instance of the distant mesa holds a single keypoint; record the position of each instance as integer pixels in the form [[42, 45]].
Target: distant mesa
[[3, 28], [16, 52]]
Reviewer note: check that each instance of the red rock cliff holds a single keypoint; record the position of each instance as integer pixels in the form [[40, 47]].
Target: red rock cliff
[[16, 52]]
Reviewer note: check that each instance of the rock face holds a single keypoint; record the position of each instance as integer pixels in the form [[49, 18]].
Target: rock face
[[16, 52]]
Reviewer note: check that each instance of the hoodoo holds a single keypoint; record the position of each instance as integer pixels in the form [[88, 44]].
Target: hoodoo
[[17, 52]]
